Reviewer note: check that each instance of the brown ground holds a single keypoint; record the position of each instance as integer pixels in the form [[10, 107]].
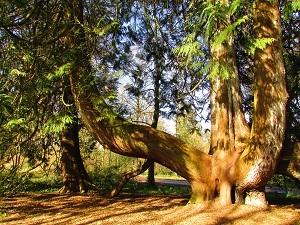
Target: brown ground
[[57, 209]]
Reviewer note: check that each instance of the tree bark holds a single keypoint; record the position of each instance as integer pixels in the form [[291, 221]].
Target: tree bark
[[74, 175], [145, 142], [260, 158], [230, 135], [151, 175], [229, 129], [73, 171]]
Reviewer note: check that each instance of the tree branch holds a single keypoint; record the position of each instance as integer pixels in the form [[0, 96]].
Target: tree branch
[[128, 176]]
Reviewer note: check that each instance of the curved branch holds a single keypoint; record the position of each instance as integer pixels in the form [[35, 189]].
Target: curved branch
[[126, 177]]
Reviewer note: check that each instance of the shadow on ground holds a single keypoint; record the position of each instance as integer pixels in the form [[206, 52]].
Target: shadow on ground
[[58, 209]]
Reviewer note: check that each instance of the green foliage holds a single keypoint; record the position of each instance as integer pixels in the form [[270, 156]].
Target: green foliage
[[215, 13], [6, 108], [212, 14], [189, 48], [218, 13], [260, 43], [13, 182], [16, 124], [98, 159], [234, 6], [189, 52], [219, 69], [295, 5], [286, 185], [60, 72], [227, 33], [134, 187], [44, 184], [5, 99], [217, 22], [106, 178], [290, 7], [17, 73], [101, 31], [103, 26], [188, 129], [57, 123], [279, 180]]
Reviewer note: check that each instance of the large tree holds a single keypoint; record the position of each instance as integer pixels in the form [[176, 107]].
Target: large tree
[[32, 51], [245, 159], [242, 155]]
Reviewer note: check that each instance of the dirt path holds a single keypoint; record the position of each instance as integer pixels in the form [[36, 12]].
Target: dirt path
[[164, 181], [183, 182], [57, 209]]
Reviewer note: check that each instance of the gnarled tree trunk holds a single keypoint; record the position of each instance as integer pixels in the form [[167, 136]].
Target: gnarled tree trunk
[[229, 129], [258, 161], [239, 158], [126, 138]]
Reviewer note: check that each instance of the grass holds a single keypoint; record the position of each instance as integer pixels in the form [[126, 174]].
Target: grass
[[50, 185], [3, 214], [43, 186], [282, 198], [140, 188], [106, 180], [164, 176]]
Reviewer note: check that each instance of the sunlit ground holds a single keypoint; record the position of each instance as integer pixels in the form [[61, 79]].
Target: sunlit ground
[[57, 209]]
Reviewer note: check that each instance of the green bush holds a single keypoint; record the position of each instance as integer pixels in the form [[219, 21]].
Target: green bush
[[105, 178], [12, 182], [280, 180]]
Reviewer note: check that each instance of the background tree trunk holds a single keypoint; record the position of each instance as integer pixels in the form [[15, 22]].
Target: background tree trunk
[[73, 171], [157, 79], [289, 163], [151, 174]]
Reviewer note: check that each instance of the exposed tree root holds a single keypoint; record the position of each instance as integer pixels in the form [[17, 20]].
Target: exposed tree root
[[84, 187], [257, 198]]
